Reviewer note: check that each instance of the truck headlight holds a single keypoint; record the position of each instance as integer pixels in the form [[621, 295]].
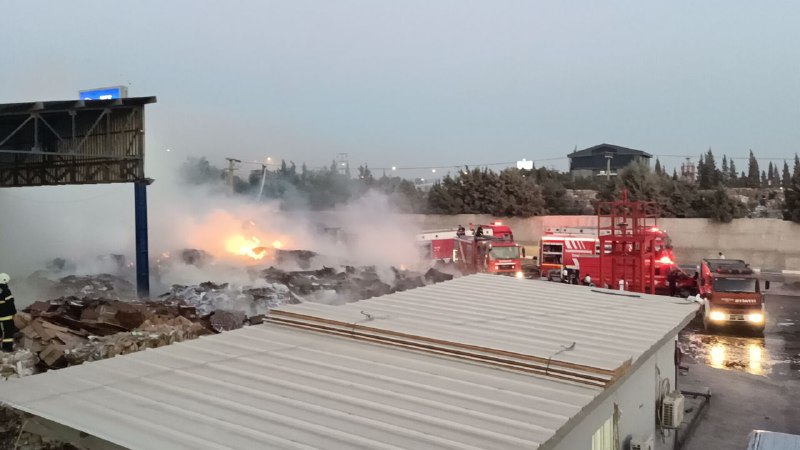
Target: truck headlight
[[717, 316], [755, 318], [519, 274]]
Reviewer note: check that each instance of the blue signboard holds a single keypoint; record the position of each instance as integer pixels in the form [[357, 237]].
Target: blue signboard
[[109, 93]]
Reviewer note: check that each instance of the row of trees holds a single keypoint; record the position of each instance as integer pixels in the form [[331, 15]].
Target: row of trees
[[514, 192]]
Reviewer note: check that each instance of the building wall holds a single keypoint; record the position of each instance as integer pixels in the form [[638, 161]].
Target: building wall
[[636, 397]]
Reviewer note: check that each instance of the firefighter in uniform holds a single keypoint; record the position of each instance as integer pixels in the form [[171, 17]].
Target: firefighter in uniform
[[7, 311]]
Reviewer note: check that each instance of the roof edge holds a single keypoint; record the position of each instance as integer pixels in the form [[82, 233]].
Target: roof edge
[[575, 420]]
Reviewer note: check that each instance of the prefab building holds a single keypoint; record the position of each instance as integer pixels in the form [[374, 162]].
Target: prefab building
[[479, 362]]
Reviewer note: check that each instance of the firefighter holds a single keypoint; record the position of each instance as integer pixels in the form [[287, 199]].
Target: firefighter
[[7, 311], [672, 279], [721, 256], [461, 231]]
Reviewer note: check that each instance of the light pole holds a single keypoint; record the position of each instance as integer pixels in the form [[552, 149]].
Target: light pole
[[609, 157]]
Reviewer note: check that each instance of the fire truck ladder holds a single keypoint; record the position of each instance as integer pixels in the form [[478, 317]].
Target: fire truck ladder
[[628, 248]]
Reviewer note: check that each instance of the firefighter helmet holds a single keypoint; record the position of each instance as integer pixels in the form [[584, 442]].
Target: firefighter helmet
[[4, 278]]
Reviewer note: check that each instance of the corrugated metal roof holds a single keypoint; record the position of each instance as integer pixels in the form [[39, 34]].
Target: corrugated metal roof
[[275, 387], [528, 317], [272, 386]]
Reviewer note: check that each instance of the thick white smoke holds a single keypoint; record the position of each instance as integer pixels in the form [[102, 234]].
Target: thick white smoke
[[86, 225]]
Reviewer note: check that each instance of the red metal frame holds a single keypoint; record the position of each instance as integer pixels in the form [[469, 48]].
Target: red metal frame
[[624, 228]]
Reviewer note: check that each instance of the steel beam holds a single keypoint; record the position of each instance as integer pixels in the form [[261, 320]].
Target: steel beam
[[142, 252]]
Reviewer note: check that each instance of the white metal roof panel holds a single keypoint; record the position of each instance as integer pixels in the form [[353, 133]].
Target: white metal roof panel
[[529, 317], [275, 387], [771, 440], [272, 386]]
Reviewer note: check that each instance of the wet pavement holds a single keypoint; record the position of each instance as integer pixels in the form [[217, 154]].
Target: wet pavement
[[775, 354], [754, 379]]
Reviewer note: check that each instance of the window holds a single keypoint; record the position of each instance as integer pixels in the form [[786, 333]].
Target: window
[[504, 252], [603, 438], [735, 285]]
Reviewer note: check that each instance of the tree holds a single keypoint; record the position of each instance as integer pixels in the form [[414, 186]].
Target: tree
[[658, 169], [199, 171], [733, 177], [707, 171], [726, 174], [792, 194], [770, 174], [753, 172], [787, 177]]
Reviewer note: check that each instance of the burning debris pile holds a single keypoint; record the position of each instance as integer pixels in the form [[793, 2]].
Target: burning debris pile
[[349, 283], [69, 331], [94, 317]]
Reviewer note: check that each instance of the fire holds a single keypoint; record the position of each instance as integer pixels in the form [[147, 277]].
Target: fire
[[239, 245], [251, 247]]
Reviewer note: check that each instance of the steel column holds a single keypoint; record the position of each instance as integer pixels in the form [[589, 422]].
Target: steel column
[[142, 253]]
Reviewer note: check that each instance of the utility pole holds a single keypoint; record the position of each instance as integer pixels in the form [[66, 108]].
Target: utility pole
[[609, 157], [231, 167], [263, 180]]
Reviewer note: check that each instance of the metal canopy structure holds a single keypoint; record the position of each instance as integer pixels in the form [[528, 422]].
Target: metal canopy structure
[[79, 142], [72, 142]]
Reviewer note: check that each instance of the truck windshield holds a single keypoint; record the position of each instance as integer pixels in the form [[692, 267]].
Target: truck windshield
[[735, 285], [504, 252]]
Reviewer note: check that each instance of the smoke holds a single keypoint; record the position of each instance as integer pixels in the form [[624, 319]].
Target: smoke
[[86, 226]]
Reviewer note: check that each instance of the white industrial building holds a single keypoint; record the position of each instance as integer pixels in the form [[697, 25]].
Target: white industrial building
[[480, 362]]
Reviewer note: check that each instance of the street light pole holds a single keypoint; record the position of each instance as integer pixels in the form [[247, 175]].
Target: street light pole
[[609, 157]]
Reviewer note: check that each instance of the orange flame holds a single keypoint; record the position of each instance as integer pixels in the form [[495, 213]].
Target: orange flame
[[239, 245]]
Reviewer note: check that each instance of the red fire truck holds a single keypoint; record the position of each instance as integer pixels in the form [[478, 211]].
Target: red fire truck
[[437, 245], [559, 247], [732, 294], [576, 252], [483, 248]]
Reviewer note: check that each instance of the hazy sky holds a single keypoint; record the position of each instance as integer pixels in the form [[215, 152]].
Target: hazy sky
[[423, 83]]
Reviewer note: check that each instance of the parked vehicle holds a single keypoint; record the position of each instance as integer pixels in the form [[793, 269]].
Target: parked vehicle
[[731, 294]]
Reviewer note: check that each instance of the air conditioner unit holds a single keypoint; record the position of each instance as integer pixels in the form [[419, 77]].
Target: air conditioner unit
[[672, 410], [642, 443]]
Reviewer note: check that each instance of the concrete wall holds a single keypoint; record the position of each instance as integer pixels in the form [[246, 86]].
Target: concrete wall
[[636, 399], [764, 243]]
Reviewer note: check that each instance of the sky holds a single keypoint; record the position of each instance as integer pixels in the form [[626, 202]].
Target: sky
[[433, 83], [423, 83]]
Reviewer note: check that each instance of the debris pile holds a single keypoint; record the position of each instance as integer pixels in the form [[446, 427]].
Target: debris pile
[[69, 330], [103, 286], [209, 297], [95, 324]]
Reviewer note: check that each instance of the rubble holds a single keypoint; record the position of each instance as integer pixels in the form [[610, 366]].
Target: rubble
[[70, 330], [102, 286], [73, 329]]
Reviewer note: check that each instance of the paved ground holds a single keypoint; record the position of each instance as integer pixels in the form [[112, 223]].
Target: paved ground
[[754, 380]]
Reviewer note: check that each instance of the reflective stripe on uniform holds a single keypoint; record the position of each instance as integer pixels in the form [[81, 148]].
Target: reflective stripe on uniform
[[8, 340], [10, 297], [4, 318]]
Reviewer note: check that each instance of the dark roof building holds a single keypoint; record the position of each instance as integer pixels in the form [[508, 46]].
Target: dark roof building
[[593, 161]]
